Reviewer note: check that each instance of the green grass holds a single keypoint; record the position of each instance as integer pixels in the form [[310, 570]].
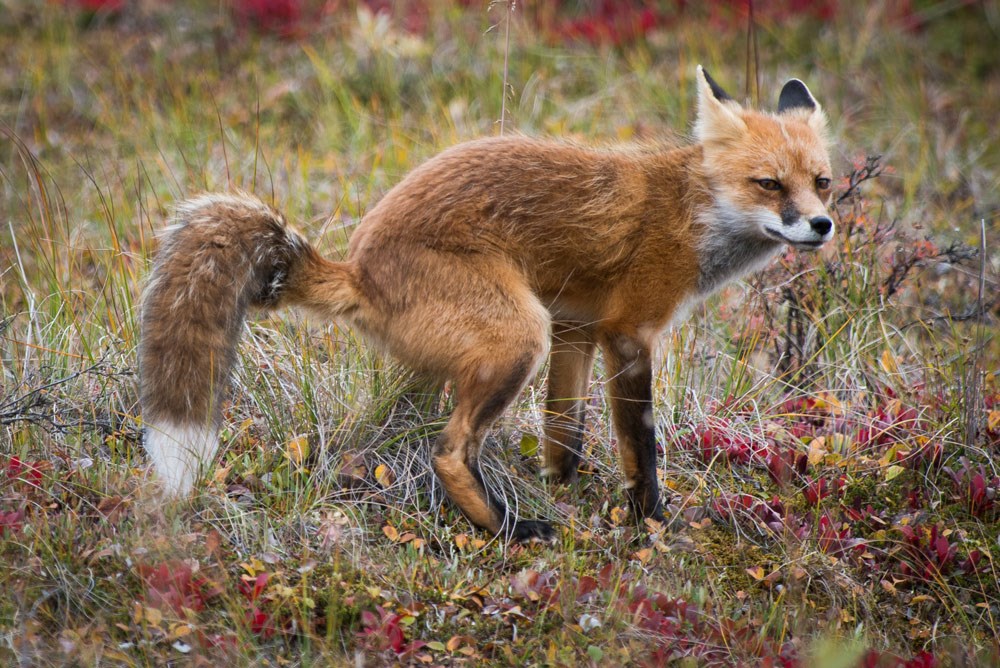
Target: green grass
[[324, 483]]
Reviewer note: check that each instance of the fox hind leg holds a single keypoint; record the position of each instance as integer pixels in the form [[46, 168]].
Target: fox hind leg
[[493, 374]]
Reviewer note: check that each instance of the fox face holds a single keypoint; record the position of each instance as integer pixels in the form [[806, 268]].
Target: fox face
[[769, 173]]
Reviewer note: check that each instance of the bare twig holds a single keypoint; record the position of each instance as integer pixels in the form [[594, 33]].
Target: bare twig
[[973, 386], [872, 169], [508, 10]]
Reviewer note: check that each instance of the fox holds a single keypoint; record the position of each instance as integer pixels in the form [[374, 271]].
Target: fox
[[483, 262]]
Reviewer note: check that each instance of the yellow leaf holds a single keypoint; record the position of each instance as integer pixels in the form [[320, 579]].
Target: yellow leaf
[[179, 630], [817, 450], [136, 612], [643, 555], [920, 598], [253, 567], [297, 449], [454, 643], [618, 515], [840, 443], [993, 421], [829, 403], [757, 573], [551, 653], [383, 474], [152, 616], [407, 537], [390, 532], [462, 541]]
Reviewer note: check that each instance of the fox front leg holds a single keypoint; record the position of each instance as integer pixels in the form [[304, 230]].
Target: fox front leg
[[630, 391]]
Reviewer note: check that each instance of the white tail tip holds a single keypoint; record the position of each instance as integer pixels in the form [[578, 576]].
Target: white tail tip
[[179, 453]]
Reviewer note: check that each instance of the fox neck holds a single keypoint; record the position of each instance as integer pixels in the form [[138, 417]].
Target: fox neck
[[727, 247]]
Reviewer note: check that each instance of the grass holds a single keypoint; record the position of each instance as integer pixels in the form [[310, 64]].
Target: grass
[[824, 425]]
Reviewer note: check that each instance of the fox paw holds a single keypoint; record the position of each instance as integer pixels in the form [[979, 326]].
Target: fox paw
[[533, 531], [566, 476]]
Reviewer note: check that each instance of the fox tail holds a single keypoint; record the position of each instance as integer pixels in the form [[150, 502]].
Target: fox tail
[[224, 255]]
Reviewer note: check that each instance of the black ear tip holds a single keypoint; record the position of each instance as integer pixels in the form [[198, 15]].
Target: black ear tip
[[717, 90], [795, 95]]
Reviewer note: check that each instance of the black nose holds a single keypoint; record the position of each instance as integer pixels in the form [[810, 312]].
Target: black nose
[[821, 225]]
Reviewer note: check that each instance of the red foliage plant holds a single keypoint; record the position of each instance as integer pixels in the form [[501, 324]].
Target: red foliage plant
[[817, 490], [27, 472], [975, 489], [97, 6], [927, 554], [836, 540], [785, 464], [382, 630], [281, 17], [174, 585]]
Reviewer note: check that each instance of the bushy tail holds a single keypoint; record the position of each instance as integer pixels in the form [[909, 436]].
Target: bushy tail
[[225, 254]]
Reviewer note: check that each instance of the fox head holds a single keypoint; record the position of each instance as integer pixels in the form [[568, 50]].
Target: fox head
[[769, 173]]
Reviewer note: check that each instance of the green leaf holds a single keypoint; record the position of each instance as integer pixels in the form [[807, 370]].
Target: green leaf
[[893, 472]]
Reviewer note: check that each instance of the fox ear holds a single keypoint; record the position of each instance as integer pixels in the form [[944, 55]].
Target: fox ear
[[795, 97], [718, 114]]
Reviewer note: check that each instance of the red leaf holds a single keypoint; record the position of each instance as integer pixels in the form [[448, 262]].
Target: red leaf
[[260, 622], [11, 522], [253, 591]]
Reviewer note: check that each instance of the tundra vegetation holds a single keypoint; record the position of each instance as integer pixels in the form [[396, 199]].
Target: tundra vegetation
[[830, 431]]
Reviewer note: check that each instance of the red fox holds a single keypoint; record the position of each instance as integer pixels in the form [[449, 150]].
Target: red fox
[[483, 261]]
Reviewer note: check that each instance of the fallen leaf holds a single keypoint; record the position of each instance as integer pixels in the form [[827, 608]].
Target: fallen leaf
[[391, 532], [384, 476]]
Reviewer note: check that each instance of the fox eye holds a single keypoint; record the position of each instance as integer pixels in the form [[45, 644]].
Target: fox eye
[[823, 183], [768, 184]]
